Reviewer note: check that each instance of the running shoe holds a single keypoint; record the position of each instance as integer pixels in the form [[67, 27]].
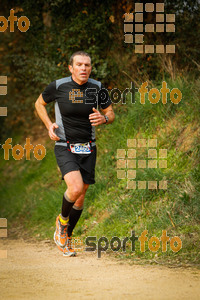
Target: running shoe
[[60, 235], [68, 251]]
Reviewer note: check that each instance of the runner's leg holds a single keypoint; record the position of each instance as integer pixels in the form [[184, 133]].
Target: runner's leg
[[74, 184], [75, 188], [76, 211]]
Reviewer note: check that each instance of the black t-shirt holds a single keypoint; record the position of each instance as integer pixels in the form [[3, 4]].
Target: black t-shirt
[[73, 105]]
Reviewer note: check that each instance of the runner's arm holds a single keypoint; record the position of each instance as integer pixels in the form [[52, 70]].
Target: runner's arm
[[108, 111], [42, 112], [97, 118]]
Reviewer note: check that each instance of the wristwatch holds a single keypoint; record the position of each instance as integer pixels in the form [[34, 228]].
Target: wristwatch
[[106, 119]]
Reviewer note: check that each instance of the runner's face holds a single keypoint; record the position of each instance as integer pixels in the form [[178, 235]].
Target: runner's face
[[81, 69]]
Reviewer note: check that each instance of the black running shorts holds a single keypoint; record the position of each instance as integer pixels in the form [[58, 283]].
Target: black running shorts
[[68, 161]]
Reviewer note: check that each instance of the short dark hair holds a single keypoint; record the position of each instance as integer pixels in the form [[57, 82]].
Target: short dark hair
[[83, 53]]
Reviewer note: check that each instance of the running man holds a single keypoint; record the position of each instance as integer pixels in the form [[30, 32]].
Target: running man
[[76, 109]]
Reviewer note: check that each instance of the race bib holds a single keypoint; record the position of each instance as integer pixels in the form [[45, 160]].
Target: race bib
[[80, 148]]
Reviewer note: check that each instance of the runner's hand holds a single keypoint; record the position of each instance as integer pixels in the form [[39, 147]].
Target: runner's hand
[[52, 135], [96, 118]]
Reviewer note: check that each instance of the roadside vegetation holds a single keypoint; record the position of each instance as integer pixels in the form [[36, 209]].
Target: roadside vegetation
[[31, 190]]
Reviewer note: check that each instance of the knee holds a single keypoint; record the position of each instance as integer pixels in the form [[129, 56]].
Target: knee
[[75, 191]]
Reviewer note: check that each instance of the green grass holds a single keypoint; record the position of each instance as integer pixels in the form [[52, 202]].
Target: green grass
[[31, 191]]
